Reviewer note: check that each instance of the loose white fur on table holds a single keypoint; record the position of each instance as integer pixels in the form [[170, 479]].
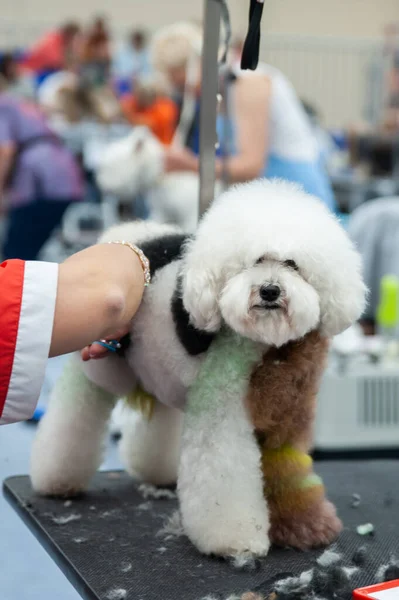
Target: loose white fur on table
[[248, 239], [134, 165]]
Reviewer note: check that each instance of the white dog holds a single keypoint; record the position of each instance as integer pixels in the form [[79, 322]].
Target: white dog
[[268, 261], [134, 165]]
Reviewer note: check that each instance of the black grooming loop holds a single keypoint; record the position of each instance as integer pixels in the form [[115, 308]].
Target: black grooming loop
[[250, 54]]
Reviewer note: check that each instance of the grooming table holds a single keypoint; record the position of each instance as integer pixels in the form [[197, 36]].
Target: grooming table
[[109, 539]]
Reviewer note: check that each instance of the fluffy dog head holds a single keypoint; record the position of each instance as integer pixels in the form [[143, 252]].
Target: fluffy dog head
[[131, 165], [272, 263]]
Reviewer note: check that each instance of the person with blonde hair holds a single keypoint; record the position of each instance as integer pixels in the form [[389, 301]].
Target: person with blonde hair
[[263, 128]]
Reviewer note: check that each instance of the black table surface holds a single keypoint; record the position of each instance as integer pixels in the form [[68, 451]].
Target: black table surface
[[111, 538]]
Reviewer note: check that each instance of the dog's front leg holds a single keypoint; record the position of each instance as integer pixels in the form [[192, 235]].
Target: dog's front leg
[[220, 487]]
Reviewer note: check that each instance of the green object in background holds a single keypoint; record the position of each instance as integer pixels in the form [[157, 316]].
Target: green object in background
[[388, 308]]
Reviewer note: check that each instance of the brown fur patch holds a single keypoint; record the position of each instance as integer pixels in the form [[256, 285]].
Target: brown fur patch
[[317, 526], [281, 402], [282, 393]]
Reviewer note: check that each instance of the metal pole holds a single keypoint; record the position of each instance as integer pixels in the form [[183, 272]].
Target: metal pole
[[208, 106]]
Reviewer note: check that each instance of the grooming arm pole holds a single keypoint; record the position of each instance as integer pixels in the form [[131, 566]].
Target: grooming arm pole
[[208, 107]]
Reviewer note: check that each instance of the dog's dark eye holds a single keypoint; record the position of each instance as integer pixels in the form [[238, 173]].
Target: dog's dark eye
[[260, 260], [291, 264]]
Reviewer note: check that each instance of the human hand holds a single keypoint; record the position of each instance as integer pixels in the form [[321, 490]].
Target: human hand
[[95, 350], [179, 159]]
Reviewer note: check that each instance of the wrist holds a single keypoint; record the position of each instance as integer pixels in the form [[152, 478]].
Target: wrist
[[123, 296], [144, 262]]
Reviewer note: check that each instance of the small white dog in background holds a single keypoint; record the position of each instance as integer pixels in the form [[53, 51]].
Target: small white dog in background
[[134, 165], [268, 261]]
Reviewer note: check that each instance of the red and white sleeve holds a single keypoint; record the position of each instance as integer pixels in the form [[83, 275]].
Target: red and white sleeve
[[27, 304]]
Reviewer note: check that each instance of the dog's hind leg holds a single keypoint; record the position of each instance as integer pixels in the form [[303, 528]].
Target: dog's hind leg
[[69, 443], [150, 447]]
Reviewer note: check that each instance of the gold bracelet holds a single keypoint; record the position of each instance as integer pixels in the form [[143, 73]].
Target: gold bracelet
[[145, 263]]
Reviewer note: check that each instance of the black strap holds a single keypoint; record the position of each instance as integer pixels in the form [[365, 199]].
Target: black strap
[[250, 53]]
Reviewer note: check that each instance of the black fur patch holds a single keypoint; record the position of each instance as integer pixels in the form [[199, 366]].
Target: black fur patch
[[160, 252], [194, 340], [125, 343], [163, 250]]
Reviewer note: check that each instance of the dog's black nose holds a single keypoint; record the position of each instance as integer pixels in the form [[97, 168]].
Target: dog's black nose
[[269, 293]]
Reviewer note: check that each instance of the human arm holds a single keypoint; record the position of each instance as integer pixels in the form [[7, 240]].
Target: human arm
[[251, 97], [48, 309], [99, 291], [251, 107]]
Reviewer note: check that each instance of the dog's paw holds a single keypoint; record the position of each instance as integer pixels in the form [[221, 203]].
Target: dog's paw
[[236, 549], [229, 540], [52, 478], [246, 563], [318, 526], [57, 487]]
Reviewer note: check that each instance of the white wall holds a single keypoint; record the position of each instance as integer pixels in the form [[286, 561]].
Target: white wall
[[360, 18], [342, 18], [34, 15]]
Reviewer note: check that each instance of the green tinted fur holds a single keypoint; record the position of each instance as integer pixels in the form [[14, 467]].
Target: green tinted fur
[[228, 364]]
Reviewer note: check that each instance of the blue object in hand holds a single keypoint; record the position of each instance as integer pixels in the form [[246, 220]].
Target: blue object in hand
[[111, 345]]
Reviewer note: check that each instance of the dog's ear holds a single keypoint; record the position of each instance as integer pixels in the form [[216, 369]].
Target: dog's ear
[[343, 300], [200, 299], [200, 291]]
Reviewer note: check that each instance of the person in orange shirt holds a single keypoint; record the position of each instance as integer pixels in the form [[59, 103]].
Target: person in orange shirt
[[147, 106]]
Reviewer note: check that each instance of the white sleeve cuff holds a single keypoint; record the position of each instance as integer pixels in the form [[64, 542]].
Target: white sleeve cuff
[[33, 341]]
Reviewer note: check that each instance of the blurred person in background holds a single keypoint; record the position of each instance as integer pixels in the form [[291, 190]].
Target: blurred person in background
[[95, 59], [149, 106], [95, 92], [53, 51], [383, 80], [100, 26], [91, 63], [51, 92], [263, 129], [132, 60], [327, 147], [12, 80], [39, 178]]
